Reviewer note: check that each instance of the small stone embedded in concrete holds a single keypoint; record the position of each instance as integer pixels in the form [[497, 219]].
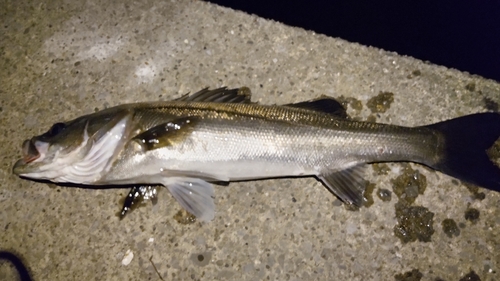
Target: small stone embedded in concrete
[[127, 258]]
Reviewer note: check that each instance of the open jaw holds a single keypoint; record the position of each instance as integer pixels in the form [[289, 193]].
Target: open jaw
[[30, 152], [33, 151]]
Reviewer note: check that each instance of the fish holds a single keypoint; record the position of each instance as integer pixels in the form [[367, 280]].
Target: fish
[[213, 136]]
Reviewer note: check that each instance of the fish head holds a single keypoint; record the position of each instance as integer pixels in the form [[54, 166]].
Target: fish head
[[76, 151]]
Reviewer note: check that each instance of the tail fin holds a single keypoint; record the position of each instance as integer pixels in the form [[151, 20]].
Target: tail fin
[[466, 140]]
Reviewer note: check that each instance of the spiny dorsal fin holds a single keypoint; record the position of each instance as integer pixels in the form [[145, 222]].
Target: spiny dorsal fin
[[348, 184], [324, 105], [222, 95], [166, 134]]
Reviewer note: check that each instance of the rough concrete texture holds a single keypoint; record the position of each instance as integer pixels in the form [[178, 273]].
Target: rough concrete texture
[[63, 59]]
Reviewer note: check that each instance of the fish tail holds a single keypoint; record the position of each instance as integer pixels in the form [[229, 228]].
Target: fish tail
[[466, 141]]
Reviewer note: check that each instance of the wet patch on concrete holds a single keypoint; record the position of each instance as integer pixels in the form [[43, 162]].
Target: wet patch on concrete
[[414, 275], [409, 184], [475, 191], [350, 207], [384, 194], [494, 152], [183, 217], [381, 102], [472, 215], [201, 259], [414, 223], [450, 228], [414, 73], [490, 104], [471, 87], [353, 103], [368, 194], [471, 276], [381, 169], [371, 119]]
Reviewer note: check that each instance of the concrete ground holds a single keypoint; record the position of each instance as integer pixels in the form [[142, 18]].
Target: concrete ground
[[63, 59]]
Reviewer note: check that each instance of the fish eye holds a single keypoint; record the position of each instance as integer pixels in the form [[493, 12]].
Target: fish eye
[[55, 129]]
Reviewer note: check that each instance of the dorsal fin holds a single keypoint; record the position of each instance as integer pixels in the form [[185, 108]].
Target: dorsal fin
[[222, 95], [324, 105]]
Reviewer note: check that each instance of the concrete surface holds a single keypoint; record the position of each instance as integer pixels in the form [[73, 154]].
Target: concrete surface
[[62, 59]]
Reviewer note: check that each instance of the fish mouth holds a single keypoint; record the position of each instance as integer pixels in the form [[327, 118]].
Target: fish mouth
[[30, 152], [33, 151]]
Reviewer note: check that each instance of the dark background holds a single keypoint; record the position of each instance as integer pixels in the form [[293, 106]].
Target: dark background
[[459, 34]]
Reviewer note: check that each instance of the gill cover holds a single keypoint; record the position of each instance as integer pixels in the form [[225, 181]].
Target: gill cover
[[84, 163]]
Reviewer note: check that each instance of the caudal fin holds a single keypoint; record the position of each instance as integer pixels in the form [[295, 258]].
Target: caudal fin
[[466, 140]]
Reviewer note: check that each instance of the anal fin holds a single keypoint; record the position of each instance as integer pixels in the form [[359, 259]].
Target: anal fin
[[348, 184]]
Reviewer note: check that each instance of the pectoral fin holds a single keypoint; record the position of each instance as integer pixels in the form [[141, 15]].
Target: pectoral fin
[[194, 195], [349, 184], [167, 134], [136, 195]]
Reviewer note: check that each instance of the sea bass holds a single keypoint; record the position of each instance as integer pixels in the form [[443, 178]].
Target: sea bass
[[220, 136]]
